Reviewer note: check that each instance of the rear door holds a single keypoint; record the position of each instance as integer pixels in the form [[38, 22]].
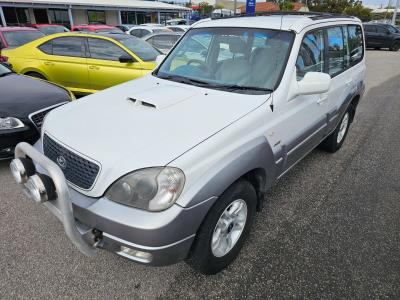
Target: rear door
[[64, 62], [371, 35], [105, 69]]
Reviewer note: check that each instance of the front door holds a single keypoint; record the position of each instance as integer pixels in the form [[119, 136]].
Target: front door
[[105, 69]]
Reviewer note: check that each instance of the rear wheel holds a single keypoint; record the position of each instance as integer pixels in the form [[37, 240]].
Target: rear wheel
[[395, 46], [336, 139], [224, 230], [36, 75]]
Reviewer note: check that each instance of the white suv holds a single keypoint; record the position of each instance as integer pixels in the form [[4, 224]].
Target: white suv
[[175, 165]]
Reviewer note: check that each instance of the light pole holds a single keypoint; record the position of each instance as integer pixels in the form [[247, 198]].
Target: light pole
[[395, 12]]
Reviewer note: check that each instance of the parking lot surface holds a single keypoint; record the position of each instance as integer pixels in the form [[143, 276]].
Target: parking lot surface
[[330, 228]]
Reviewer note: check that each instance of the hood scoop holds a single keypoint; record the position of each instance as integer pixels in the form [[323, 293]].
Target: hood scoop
[[143, 103], [162, 96]]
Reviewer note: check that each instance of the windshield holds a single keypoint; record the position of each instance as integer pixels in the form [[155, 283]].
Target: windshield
[[4, 70], [53, 29], [393, 29], [19, 38], [141, 48], [245, 60]]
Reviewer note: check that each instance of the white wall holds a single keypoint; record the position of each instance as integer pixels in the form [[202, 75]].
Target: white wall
[[80, 16], [112, 17]]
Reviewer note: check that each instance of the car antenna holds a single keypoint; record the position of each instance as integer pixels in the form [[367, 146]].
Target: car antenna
[[273, 90]]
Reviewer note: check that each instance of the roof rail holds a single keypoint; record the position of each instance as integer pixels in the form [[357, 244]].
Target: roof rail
[[310, 14]]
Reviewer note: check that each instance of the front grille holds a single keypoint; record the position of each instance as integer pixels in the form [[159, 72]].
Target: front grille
[[77, 170], [37, 118]]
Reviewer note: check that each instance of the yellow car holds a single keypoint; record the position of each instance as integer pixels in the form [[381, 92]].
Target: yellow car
[[84, 63]]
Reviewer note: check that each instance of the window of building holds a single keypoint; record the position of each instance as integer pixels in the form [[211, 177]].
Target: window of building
[[336, 50], [59, 16], [105, 50], [128, 17], [68, 46], [311, 54], [96, 17], [16, 16], [356, 46]]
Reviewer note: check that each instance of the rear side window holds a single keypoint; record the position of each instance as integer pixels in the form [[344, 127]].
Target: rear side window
[[47, 47], [105, 50], [356, 44], [336, 50], [370, 28], [68, 46], [311, 55]]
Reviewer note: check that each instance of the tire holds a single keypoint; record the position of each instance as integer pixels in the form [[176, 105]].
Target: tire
[[395, 46], [36, 75], [202, 257], [336, 139]]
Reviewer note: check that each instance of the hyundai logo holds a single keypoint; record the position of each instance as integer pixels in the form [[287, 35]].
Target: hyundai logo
[[62, 162]]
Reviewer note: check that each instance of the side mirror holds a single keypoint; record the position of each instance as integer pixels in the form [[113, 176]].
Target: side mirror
[[314, 83], [125, 58], [159, 59]]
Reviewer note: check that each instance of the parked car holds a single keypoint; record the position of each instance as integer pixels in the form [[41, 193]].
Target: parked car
[[141, 31], [50, 28], [97, 28], [174, 165], [84, 62], [174, 22], [382, 35], [12, 37], [162, 41], [179, 28], [24, 102], [125, 27]]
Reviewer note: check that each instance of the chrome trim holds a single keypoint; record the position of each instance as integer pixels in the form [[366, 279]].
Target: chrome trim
[[61, 207], [42, 110]]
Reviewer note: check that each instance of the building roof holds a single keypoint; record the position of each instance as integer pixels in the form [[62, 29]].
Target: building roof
[[275, 21], [108, 4]]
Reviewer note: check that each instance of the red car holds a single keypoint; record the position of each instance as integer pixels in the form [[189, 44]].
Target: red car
[[50, 28], [97, 28], [12, 37]]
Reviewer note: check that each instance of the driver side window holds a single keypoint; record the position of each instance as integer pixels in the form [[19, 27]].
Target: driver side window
[[311, 54]]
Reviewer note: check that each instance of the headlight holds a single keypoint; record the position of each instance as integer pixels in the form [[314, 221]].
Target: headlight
[[10, 123], [152, 189]]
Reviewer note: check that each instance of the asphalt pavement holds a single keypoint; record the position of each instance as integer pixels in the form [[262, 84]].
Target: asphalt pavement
[[330, 228]]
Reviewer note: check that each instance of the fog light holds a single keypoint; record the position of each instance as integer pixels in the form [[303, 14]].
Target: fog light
[[137, 255], [41, 188], [21, 169]]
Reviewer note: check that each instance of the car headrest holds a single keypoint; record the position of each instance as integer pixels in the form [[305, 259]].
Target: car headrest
[[237, 45]]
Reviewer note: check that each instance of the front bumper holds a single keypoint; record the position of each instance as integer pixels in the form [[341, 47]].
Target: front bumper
[[92, 223], [10, 138]]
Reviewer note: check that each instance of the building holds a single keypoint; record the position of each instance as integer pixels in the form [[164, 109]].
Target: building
[[75, 12], [272, 7]]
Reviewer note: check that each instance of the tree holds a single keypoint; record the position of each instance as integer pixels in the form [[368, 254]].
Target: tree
[[286, 6], [359, 11], [332, 6]]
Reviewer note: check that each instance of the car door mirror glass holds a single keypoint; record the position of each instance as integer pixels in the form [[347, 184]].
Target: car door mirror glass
[[126, 59], [314, 83]]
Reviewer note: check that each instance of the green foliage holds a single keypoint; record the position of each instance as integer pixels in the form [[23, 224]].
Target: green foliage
[[205, 8], [348, 7], [359, 11], [286, 6]]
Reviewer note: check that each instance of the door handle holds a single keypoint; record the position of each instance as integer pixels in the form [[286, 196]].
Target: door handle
[[94, 68], [322, 98], [349, 81]]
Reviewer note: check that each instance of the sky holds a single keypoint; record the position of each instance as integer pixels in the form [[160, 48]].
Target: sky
[[377, 3]]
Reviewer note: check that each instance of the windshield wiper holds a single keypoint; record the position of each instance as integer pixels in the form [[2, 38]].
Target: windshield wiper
[[235, 87], [182, 79]]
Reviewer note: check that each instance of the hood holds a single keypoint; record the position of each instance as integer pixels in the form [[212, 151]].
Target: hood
[[143, 123], [21, 95]]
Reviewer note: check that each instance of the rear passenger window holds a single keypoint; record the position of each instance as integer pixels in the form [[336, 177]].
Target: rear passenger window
[[68, 46], [311, 54], [356, 44], [336, 51], [47, 47], [370, 28]]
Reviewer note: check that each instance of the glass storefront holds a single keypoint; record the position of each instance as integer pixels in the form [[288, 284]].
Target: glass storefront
[[16, 16], [96, 16], [59, 16]]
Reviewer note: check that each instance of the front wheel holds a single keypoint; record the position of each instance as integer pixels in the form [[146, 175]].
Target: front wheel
[[336, 139], [395, 46], [224, 230]]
